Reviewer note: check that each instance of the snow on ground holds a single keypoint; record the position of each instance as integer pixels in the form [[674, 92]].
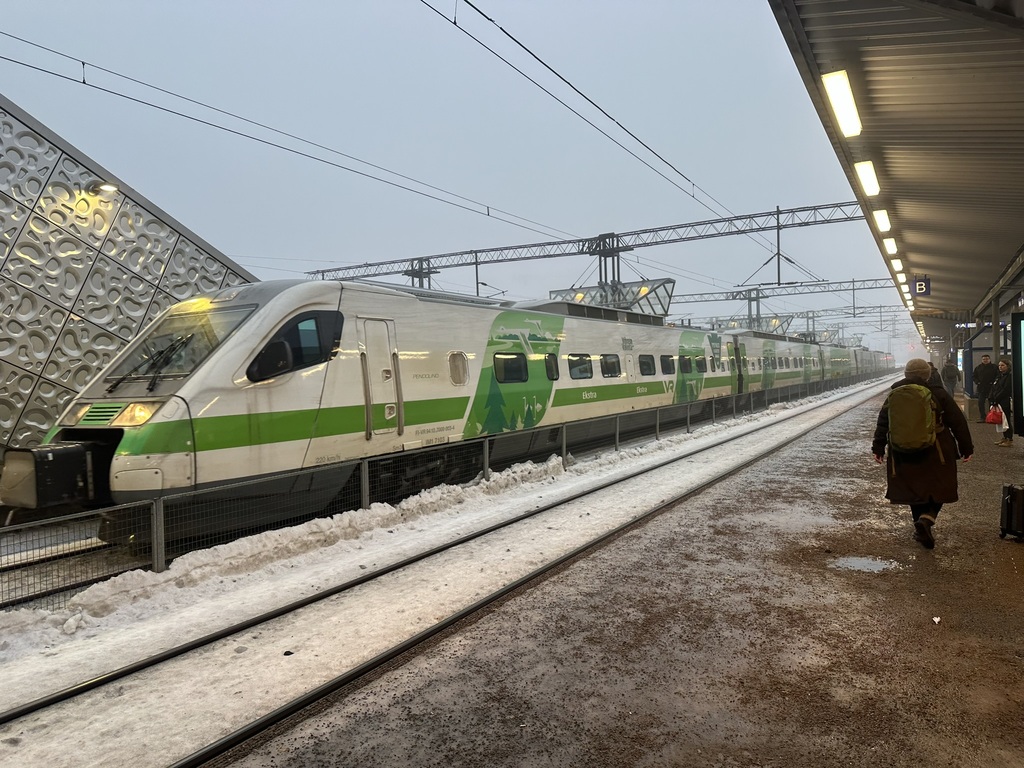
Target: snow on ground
[[139, 613]]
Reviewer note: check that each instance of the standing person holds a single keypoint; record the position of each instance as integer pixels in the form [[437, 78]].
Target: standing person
[[984, 375], [1000, 394], [934, 379], [923, 477], [950, 376]]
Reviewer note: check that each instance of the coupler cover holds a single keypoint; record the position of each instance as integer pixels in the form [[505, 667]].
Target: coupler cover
[[48, 475]]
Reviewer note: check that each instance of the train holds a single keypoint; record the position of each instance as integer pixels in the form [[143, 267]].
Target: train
[[259, 380]]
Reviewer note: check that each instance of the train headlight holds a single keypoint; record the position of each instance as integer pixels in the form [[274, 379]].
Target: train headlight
[[73, 415], [135, 414]]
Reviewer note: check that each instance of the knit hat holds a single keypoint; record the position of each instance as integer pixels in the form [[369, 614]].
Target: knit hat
[[918, 369]]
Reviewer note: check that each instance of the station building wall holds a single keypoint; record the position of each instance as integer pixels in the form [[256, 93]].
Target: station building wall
[[82, 271]]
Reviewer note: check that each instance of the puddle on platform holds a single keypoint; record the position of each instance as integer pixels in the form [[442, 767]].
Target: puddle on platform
[[869, 564]]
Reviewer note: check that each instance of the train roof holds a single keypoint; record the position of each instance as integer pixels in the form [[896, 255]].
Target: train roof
[[568, 308]]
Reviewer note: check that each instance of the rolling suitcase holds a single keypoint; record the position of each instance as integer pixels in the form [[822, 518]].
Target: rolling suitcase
[[1011, 517]]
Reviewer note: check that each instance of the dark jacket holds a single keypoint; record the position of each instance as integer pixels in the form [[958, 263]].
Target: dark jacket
[[922, 477], [985, 374], [935, 380], [950, 373], [1002, 391]]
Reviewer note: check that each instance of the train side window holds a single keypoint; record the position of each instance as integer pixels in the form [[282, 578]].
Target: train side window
[[510, 367], [702, 364], [610, 367], [668, 365], [458, 368], [310, 338], [580, 367], [686, 364], [646, 365], [304, 339], [551, 366]]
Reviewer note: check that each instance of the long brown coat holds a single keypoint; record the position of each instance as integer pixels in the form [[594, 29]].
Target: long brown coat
[[920, 478]]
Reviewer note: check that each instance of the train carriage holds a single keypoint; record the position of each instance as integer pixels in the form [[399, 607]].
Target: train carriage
[[262, 379]]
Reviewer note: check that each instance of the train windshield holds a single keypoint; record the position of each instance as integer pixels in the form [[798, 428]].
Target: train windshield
[[175, 346]]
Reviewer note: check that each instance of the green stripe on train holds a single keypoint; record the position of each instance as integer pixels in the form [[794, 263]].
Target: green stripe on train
[[237, 431], [600, 393]]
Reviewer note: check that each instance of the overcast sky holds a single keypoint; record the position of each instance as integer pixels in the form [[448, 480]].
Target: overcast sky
[[710, 87]]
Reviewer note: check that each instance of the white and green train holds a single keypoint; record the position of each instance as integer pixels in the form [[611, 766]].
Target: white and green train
[[259, 380]]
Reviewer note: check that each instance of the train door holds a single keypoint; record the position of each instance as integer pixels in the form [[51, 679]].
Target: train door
[[630, 373], [736, 354], [379, 355]]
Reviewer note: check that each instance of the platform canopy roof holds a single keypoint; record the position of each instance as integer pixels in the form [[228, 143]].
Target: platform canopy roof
[[939, 89]]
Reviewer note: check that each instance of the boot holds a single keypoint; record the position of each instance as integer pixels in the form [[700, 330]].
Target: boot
[[923, 532]]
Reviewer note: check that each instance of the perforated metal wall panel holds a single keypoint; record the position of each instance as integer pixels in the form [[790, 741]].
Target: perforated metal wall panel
[[81, 273]]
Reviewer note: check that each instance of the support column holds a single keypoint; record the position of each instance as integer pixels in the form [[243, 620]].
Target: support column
[[996, 335]]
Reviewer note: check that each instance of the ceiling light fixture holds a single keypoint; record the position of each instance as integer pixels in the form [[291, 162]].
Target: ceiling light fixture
[[840, 95], [890, 245], [868, 180], [897, 265], [882, 220], [901, 277]]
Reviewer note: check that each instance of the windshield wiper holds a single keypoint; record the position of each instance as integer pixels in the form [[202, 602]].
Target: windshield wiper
[[131, 371], [163, 358], [158, 362]]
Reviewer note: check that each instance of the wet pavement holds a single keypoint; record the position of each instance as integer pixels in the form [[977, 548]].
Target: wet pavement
[[784, 618]]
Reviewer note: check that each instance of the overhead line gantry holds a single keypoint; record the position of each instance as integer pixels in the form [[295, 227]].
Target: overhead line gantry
[[606, 247]]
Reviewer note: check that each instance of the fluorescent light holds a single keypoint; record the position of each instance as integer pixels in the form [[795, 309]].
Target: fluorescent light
[[882, 220], [890, 245], [901, 277], [897, 265], [906, 289], [837, 86], [868, 179]]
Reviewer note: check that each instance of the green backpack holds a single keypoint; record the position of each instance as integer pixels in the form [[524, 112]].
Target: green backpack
[[913, 420]]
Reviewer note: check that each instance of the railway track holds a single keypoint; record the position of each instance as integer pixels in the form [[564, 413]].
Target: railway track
[[479, 546]]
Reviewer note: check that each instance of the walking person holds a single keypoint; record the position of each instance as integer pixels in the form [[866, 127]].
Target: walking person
[[1000, 394], [934, 379], [950, 376], [924, 432], [984, 375]]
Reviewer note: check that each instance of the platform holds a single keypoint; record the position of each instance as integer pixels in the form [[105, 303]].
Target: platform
[[785, 618]]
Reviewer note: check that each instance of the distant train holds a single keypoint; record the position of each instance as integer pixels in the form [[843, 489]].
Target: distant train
[[262, 379]]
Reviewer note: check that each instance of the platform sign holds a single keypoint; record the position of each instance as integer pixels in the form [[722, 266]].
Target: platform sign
[[922, 286]]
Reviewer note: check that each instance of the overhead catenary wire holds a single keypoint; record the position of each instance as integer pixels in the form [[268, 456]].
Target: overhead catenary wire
[[488, 211], [454, 21]]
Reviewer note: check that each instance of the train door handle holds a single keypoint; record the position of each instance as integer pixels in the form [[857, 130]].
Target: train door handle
[[390, 410], [386, 374]]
